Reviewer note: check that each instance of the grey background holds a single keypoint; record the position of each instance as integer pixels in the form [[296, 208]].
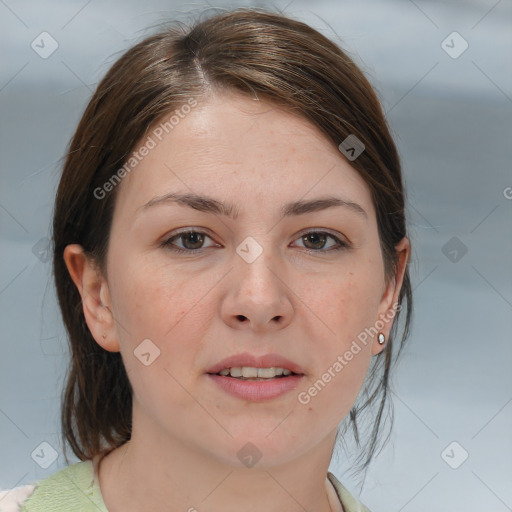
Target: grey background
[[451, 118]]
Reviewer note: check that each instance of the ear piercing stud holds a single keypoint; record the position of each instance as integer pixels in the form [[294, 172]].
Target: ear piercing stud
[[382, 339]]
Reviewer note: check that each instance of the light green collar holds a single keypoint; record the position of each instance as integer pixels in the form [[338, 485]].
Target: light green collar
[[76, 487], [350, 504], [72, 488]]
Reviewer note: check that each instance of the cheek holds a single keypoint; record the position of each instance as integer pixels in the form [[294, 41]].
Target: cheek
[[151, 298], [159, 302], [348, 301], [342, 361], [347, 305], [154, 302]]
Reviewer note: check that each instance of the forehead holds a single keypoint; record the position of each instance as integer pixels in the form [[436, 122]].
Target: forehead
[[249, 148]]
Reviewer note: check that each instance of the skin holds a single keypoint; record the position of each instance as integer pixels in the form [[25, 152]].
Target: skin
[[203, 307]]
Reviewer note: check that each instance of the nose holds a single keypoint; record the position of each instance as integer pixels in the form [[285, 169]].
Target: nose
[[259, 296]]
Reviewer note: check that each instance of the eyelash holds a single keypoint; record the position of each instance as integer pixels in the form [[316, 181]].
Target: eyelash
[[340, 244]]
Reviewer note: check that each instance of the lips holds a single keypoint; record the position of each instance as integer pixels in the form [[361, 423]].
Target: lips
[[265, 361]]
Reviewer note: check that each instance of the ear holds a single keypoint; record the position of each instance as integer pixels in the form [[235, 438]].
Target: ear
[[387, 307], [95, 295]]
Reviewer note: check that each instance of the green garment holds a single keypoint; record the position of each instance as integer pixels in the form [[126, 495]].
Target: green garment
[[75, 488]]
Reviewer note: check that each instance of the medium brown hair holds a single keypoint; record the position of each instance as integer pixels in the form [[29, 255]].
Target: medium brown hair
[[251, 51]]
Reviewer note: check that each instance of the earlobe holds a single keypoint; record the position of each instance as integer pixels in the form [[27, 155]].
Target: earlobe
[[389, 301], [93, 290]]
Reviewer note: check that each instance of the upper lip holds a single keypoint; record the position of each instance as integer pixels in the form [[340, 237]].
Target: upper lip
[[264, 361]]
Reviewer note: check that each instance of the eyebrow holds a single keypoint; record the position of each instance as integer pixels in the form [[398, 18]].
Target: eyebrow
[[210, 205]]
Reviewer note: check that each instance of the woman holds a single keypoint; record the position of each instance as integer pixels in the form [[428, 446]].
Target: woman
[[230, 257]]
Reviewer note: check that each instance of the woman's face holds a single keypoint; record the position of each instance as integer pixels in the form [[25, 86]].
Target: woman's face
[[250, 282]]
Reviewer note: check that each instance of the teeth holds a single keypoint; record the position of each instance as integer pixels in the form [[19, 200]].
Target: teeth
[[249, 372]]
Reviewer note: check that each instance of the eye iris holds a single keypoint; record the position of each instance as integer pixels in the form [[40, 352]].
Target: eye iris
[[194, 235], [315, 237]]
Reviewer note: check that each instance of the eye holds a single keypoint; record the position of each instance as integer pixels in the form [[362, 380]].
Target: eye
[[191, 238], [193, 242], [318, 239]]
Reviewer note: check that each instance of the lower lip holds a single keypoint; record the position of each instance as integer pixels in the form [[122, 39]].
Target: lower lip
[[257, 390]]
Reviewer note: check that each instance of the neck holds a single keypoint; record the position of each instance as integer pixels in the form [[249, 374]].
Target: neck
[[150, 472]]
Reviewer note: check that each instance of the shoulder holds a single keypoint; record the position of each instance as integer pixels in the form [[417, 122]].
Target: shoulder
[[11, 500], [350, 504], [72, 488]]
